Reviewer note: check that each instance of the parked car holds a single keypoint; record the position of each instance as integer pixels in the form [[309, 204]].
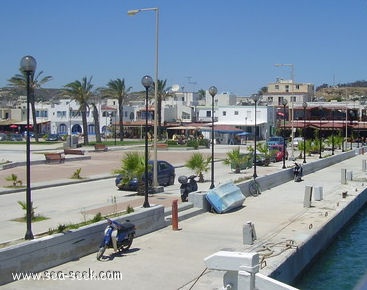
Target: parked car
[[3, 137], [275, 140], [262, 159], [15, 137], [277, 153], [53, 137], [165, 175]]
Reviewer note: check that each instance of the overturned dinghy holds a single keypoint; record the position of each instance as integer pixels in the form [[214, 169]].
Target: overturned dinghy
[[225, 197]]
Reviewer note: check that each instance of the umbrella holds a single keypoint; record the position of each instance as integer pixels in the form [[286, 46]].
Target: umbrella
[[243, 134], [13, 126]]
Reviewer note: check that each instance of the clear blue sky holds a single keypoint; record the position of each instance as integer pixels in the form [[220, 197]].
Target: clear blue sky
[[230, 44]]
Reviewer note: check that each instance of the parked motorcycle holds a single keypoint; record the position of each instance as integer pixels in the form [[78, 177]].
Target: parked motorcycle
[[188, 184], [297, 172], [124, 238]]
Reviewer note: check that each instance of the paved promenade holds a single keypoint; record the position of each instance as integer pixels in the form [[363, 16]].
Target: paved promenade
[[169, 259]]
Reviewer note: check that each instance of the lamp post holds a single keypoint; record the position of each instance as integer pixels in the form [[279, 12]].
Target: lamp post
[[115, 127], [332, 136], [132, 13], [284, 102], [255, 98], [70, 109], [212, 91], [147, 82], [320, 136], [28, 66], [291, 65], [304, 131]]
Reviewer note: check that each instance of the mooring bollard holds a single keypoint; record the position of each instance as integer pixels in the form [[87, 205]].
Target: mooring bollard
[[175, 215]]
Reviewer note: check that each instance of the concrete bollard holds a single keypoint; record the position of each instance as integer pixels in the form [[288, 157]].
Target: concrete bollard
[[318, 193], [308, 196], [349, 175], [343, 176], [249, 233], [364, 165]]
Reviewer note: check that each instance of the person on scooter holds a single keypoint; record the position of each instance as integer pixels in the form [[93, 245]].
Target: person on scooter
[[116, 226]]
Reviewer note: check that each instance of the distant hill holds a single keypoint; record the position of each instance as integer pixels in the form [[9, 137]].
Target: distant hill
[[342, 91]]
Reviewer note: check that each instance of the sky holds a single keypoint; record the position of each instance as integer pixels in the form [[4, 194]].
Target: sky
[[233, 44]]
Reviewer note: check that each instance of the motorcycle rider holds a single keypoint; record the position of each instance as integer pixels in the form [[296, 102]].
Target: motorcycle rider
[[116, 226]]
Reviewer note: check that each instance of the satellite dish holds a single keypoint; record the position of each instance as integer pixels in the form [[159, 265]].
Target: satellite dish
[[175, 88]]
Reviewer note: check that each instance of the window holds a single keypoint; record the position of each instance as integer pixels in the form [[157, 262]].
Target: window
[[224, 113], [208, 113], [277, 87], [236, 113]]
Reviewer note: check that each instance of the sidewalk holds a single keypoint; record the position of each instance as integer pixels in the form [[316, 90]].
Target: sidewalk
[[169, 259]]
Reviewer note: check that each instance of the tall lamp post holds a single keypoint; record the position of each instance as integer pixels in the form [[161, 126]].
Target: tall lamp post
[[320, 136], [284, 102], [132, 13], [28, 66], [304, 131], [212, 91], [291, 65], [147, 82], [332, 136], [255, 98]]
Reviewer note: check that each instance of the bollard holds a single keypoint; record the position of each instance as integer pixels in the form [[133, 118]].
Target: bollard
[[364, 165], [308, 196], [174, 215], [249, 234], [318, 193], [343, 176]]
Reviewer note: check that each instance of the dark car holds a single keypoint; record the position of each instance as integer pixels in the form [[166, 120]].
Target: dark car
[[53, 137], [15, 137], [165, 175]]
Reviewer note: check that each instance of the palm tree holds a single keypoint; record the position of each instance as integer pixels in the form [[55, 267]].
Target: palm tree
[[116, 88], [199, 164], [161, 95], [96, 123], [237, 161], [20, 81], [133, 166], [81, 93]]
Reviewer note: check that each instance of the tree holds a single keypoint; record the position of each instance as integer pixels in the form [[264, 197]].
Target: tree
[[133, 166], [199, 164], [236, 160], [116, 88], [81, 93], [20, 81]]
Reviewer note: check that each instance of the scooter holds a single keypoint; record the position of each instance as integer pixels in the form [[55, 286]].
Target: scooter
[[124, 238], [297, 172], [188, 184]]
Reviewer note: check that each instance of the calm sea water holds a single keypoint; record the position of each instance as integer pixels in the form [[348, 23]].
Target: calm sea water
[[344, 264]]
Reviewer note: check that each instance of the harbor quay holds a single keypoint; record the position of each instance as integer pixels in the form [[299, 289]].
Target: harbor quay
[[291, 229]]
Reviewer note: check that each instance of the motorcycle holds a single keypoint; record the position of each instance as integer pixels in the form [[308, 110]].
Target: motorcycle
[[188, 184], [297, 172], [124, 238]]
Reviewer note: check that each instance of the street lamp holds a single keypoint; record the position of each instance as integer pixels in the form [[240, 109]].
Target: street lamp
[[332, 136], [212, 91], [255, 98], [284, 102], [291, 65], [304, 131], [320, 137], [132, 13], [147, 82], [28, 66]]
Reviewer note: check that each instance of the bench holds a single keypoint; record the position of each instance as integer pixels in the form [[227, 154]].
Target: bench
[[54, 157], [162, 146], [100, 147], [73, 151]]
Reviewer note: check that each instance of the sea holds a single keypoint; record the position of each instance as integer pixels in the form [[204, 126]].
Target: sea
[[343, 265]]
